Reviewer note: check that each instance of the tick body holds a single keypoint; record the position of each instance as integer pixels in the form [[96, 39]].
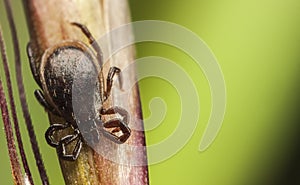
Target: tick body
[[60, 67]]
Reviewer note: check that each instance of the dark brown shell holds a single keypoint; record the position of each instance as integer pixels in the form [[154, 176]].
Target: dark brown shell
[[69, 74]]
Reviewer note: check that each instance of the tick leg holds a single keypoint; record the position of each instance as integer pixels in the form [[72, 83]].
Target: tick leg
[[115, 110], [49, 134], [92, 41], [118, 124], [75, 153], [41, 98], [33, 67], [62, 151], [109, 81]]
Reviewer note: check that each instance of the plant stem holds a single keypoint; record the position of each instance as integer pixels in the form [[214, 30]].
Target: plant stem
[[21, 91], [13, 110], [49, 24], [13, 156]]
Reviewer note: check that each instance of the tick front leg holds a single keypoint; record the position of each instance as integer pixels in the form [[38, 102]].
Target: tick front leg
[[109, 81], [115, 110], [33, 67], [41, 98]]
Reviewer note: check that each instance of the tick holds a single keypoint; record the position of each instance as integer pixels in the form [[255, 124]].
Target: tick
[[56, 72]]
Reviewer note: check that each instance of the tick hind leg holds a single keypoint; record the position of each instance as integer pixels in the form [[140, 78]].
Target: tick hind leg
[[62, 144], [67, 140], [117, 124], [50, 133]]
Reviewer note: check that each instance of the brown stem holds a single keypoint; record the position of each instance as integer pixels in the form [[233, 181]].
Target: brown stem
[[13, 110], [21, 91], [13, 156], [15, 165], [49, 24]]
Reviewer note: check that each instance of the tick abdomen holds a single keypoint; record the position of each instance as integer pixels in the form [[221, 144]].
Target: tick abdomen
[[71, 79]]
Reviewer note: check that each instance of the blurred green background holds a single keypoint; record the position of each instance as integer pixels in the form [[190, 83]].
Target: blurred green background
[[257, 44]]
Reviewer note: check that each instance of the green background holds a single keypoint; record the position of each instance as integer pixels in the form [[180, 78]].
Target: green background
[[257, 45]]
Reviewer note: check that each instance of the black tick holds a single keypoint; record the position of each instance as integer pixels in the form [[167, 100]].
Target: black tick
[[59, 67]]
